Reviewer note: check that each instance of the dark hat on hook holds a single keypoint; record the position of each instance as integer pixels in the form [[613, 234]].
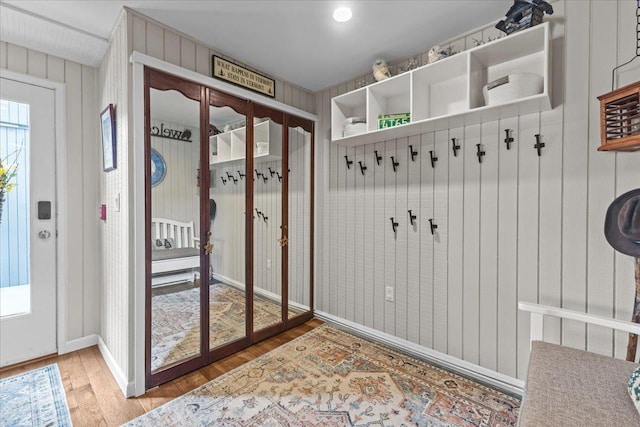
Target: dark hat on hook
[[622, 223]]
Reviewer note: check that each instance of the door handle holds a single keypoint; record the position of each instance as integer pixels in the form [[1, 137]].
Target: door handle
[[284, 241], [44, 234], [208, 247]]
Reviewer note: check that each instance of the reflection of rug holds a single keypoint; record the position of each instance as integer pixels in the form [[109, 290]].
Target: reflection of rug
[[175, 321], [330, 378], [34, 398]]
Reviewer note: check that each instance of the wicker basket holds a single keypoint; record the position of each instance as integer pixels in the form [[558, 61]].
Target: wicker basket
[[620, 119]]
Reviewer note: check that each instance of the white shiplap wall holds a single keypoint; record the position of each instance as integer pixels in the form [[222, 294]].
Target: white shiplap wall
[[115, 311], [516, 227], [83, 163]]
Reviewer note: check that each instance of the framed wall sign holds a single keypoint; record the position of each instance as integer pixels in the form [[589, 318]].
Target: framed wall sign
[[232, 73], [108, 132]]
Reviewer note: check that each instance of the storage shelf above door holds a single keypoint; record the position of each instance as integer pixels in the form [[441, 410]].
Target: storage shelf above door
[[231, 145], [449, 93]]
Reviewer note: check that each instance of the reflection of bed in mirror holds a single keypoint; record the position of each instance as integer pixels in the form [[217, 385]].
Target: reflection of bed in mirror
[[175, 254]]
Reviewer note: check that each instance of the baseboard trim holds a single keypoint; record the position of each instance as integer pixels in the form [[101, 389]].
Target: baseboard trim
[[127, 388], [464, 368], [79, 344]]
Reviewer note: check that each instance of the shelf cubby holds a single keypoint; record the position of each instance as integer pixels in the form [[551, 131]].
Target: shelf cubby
[[449, 92], [231, 145], [352, 104], [391, 96], [440, 89]]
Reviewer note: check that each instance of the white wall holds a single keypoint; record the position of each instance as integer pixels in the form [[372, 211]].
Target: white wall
[[516, 227], [83, 167]]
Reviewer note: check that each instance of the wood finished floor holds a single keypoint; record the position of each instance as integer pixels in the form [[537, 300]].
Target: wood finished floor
[[95, 399]]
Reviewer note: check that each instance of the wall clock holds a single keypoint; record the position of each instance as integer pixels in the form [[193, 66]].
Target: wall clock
[[158, 168]]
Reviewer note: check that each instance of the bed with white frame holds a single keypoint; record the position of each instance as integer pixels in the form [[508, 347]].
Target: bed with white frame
[[175, 252]]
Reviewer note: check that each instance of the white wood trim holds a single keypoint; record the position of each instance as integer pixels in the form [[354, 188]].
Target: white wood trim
[[138, 250], [592, 319], [61, 192], [126, 387], [149, 61], [79, 344], [478, 373]]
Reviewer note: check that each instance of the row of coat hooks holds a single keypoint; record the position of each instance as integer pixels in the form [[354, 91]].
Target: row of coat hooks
[[260, 175], [455, 147], [261, 214], [413, 221]]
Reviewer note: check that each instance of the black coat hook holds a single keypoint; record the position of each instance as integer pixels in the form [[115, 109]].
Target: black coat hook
[[413, 153], [362, 167], [224, 181], [258, 213], [349, 162], [481, 153], [455, 146], [378, 158], [394, 225], [241, 175], [394, 163], [432, 225], [508, 139], [229, 176], [412, 217], [234, 179], [539, 144], [279, 176], [264, 178], [258, 174], [434, 159], [272, 172], [264, 218]]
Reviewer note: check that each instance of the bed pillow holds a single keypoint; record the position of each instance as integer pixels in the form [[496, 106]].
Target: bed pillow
[[169, 243], [634, 388]]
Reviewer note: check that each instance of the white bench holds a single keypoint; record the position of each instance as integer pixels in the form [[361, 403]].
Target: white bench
[[178, 263]]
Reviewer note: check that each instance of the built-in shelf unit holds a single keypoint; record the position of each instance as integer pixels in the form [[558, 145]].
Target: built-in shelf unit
[[231, 146], [449, 93]]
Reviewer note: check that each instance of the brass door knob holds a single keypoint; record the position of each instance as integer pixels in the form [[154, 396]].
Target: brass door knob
[[284, 241]]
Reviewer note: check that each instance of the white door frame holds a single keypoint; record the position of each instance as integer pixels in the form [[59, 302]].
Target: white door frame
[[59, 93]]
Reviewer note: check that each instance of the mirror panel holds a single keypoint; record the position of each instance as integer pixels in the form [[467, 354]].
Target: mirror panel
[[299, 200], [227, 297], [175, 228], [267, 201]]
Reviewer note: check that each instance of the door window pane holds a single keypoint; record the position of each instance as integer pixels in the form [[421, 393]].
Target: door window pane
[[15, 290]]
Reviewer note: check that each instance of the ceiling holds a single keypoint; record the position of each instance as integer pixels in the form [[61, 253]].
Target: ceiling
[[296, 41]]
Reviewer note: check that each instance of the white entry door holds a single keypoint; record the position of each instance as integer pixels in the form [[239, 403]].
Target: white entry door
[[27, 223]]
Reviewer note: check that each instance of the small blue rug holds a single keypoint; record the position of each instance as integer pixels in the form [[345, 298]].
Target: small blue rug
[[35, 398]]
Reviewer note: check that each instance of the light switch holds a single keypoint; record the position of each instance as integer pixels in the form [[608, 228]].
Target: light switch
[[116, 203]]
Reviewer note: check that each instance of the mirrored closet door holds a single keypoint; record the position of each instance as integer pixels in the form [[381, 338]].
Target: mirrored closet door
[[229, 214]]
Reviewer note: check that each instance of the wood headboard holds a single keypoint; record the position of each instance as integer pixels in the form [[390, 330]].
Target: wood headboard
[[183, 233]]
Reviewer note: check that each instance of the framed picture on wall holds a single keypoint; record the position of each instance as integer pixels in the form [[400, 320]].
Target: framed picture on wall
[[108, 132]]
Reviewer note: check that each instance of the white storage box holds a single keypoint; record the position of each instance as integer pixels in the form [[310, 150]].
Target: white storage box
[[512, 87]]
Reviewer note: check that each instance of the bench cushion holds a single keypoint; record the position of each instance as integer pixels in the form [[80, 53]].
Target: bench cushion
[[569, 387]]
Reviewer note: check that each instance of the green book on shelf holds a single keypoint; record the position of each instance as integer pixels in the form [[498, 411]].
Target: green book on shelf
[[391, 120]]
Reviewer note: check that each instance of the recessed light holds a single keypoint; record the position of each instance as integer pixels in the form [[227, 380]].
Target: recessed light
[[342, 14]]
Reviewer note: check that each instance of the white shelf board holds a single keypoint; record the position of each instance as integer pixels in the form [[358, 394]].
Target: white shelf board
[[256, 159], [532, 104]]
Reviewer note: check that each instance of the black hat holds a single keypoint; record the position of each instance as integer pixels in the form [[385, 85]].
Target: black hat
[[622, 223]]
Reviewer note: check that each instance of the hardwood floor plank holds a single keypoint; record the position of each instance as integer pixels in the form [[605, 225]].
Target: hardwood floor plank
[[95, 399]]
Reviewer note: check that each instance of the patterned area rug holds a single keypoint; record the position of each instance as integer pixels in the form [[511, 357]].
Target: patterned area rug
[[175, 321], [331, 378], [34, 398]]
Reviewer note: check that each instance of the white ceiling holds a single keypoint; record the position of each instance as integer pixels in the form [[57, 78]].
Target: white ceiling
[[297, 41]]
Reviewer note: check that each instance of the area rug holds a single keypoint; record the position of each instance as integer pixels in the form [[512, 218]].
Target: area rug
[[331, 378], [34, 398], [175, 321]]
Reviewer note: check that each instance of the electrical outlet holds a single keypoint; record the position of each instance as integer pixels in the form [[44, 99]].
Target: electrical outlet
[[388, 295], [268, 264]]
